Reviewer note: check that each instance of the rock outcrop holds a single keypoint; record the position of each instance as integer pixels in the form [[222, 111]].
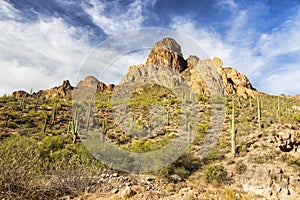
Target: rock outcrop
[[204, 76], [64, 91], [91, 82], [285, 138], [20, 94], [167, 53], [297, 96], [239, 82]]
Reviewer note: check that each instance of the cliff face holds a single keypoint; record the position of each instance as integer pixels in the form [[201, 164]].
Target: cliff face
[[167, 53], [202, 75]]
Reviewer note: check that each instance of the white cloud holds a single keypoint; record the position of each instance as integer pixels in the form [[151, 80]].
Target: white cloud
[[7, 11], [209, 41], [282, 40], [243, 49], [227, 5], [42, 53], [287, 82], [119, 20], [38, 55]]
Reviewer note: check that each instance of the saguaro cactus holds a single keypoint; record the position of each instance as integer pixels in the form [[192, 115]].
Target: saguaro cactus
[[259, 111], [278, 108], [45, 124], [36, 103], [54, 111], [233, 131], [6, 120], [89, 112], [75, 125], [23, 102], [189, 134], [105, 128]]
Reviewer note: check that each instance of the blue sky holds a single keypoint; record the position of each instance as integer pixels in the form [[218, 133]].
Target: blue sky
[[44, 42]]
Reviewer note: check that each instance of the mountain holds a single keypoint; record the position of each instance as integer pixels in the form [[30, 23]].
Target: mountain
[[166, 65], [198, 73]]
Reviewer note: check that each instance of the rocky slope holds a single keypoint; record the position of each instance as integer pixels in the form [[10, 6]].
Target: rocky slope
[[203, 76]]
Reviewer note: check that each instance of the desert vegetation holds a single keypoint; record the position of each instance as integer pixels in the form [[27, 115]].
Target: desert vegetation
[[40, 159]]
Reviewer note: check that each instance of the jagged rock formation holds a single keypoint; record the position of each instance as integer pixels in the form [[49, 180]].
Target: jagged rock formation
[[94, 84], [239, 82], [63, 91], [297, 96], [285, 138], [142, 74], [66, 90], [204, 76], [167, 53], [234, 81], [20, 94]]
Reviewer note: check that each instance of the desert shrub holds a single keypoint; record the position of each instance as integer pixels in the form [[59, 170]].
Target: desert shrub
[[215, 174], [200, 134], [62, 170], [291, 161], [52, 144], [19, 169], [212, 156], [297, 118], [224, 142], [183, 166], [141, 146], [240, 167]]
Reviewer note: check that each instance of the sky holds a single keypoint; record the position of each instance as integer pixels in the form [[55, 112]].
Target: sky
[[43, 43]]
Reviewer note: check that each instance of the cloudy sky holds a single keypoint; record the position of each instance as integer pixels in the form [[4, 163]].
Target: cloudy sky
[[43, 43]]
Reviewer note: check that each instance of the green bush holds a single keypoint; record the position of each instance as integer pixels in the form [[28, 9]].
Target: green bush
[[240, 167], [141, 146], [184, 166], [64, 170], [19, 169], [297, 118], [215, 174]]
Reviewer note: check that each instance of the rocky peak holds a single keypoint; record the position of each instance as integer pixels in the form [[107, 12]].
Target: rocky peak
[[62, 91], [167, 52], [297, 96], [90, 82], [168, 44], [20, 94], [66, 85], [237, 78]]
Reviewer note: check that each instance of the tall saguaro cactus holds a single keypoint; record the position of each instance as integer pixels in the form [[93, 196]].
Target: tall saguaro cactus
[[89, 112], [233, 131], [45, 124], [278, 108], [259, 111], [75, 125]]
